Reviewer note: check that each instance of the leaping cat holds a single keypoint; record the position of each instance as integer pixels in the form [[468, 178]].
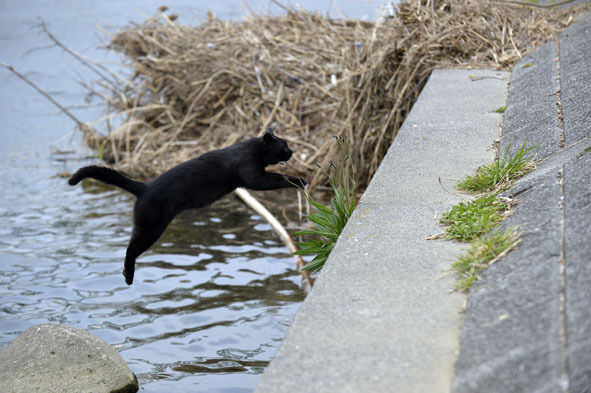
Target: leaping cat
[[193, 184]]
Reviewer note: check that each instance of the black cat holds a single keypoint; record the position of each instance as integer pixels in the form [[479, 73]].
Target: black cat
[[192, 184]]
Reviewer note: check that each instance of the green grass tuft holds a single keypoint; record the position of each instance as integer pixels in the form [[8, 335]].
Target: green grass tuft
[[501, 109], [468, 221], [482, 253], [329, 221], [585, 151], [475, 221], [499, 175]]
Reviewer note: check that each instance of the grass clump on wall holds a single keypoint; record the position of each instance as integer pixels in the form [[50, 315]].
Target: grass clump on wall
[[477, 221]]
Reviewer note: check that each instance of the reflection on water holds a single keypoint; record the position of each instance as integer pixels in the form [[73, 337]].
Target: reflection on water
[[210, 304]]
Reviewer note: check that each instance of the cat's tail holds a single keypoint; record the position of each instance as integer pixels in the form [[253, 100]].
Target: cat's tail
[[109, 176]]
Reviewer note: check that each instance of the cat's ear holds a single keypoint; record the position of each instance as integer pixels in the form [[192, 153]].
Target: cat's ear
[[268, 137]]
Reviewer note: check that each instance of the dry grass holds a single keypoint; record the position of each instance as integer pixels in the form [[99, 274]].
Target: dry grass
[[198, 88]]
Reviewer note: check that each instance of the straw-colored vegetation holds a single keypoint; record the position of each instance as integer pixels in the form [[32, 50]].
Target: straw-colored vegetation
[[196, 88]]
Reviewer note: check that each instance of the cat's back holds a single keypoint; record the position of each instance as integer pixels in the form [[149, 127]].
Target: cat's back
[[216, 166]]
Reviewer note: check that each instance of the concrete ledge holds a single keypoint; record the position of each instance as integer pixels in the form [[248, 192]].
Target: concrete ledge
[[382, 316]]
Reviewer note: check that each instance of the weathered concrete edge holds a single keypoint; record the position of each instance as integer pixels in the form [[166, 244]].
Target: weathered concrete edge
[[381, 316]]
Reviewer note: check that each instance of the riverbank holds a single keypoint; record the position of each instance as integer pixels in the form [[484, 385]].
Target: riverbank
[[383, 315], [215, 286]]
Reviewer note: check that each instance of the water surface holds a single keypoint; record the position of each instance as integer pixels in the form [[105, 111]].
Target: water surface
[[211, 300]]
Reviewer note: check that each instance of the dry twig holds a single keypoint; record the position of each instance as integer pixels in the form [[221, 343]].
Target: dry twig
[[280, 231]]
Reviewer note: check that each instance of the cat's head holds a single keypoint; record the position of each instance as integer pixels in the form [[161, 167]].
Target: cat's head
[[275, 148]]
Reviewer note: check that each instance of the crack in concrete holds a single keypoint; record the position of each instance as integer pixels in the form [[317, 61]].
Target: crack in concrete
[[557, 94], [561, 261], [562, 293]]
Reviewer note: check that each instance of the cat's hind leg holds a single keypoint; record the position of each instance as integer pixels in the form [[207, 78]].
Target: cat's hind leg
[[142, 238]]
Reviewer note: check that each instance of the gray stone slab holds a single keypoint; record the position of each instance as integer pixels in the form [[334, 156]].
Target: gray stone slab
[[57, 358], [528, 321], [382, 316], [510, 341], [532, 110], [551, 164], [577, 253], [575, 83]]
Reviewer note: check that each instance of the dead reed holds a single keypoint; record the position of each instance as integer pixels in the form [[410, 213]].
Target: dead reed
[[196, 88]]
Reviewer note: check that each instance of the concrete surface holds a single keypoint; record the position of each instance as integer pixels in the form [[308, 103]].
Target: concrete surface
[[57, 358], [382, 316], [534, 84], [528, 321], [575, 80]]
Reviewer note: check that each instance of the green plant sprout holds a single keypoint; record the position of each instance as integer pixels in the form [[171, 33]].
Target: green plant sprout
[[477, 221], [468, 221], [330, 221], [499, 175], [585, 151], [483, 252]]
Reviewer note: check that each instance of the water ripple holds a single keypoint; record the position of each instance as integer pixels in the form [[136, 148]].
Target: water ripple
[[209, 300]]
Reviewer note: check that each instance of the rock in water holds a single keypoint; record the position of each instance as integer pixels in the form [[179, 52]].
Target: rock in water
[[57, 358]]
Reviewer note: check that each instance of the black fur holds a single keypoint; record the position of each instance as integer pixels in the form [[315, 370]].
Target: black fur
[[193, 184]]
